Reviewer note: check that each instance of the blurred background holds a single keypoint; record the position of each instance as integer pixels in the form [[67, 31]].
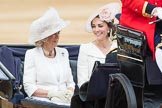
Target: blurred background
[[17, 15]]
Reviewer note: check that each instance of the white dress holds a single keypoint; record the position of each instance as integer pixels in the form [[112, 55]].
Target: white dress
[[46, 73], [88, 54]]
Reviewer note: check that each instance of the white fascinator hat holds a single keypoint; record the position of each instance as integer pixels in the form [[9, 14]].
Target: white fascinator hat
[[106, 13], [46, 25]]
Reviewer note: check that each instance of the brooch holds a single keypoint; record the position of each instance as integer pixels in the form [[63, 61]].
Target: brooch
[[62, 54]]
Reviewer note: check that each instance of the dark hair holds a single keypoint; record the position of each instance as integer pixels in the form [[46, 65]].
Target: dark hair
[[110, 25]]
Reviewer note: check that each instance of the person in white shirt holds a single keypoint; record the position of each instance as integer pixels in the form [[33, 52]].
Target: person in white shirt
[[47, 73], [101, 24]]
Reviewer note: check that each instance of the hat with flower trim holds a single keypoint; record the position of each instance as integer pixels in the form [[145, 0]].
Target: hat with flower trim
[[106, 13]]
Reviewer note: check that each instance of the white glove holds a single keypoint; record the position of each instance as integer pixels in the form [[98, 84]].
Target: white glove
[[69, 94], [54, 93], [157, 12], [61, 99], [158, 57], [60, 96]]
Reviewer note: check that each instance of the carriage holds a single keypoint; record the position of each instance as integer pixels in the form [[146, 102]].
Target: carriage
[[121, 84]]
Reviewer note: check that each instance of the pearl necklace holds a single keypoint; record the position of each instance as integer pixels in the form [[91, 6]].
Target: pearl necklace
[[48, 53]]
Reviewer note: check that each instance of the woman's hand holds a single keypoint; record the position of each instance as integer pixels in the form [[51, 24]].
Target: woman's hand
[[60, 96]]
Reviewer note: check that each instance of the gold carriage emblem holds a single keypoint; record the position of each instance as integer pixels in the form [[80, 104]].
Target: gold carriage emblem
[[160, 44], [62, 53]]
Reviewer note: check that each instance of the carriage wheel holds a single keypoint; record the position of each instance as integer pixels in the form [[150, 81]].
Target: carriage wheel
[[120, 92]]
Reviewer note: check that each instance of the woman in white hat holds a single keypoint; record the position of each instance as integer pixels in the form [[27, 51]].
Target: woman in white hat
[[47, 73], [101, 24]]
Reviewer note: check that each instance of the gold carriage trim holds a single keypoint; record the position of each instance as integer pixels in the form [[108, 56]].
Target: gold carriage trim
[[130, 57], [144, 10], [113, 50], [160, 44]]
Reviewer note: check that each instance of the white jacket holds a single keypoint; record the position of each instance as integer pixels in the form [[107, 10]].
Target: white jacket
[[46, 73], [88, 54]]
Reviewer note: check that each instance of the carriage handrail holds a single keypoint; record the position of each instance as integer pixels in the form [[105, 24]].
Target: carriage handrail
[[6, 72]]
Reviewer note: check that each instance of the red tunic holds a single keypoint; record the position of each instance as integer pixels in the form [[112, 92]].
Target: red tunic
[[137, 14]]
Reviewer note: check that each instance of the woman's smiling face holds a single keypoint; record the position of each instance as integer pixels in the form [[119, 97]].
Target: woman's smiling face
[[99, 28]]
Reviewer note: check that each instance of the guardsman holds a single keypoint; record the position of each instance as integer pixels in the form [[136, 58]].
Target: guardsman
[[146, 16]]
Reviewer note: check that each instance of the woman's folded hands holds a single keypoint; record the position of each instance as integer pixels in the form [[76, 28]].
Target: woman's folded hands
[[62, 96]]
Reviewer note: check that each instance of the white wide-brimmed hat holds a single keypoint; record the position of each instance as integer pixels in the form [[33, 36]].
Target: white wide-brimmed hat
[[106, 13], [46, 25]]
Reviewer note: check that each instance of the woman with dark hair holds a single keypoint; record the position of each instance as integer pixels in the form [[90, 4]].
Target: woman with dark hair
[[101, 24]]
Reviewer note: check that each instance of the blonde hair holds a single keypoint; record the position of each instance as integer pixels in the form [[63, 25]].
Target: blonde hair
[[40, 42]]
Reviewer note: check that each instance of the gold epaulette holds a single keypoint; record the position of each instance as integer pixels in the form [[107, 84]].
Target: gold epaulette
[[144, 10], [113, 50]]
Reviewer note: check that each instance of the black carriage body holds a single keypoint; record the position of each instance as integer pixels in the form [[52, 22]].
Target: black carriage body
[[131, 53], [136, 63]]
